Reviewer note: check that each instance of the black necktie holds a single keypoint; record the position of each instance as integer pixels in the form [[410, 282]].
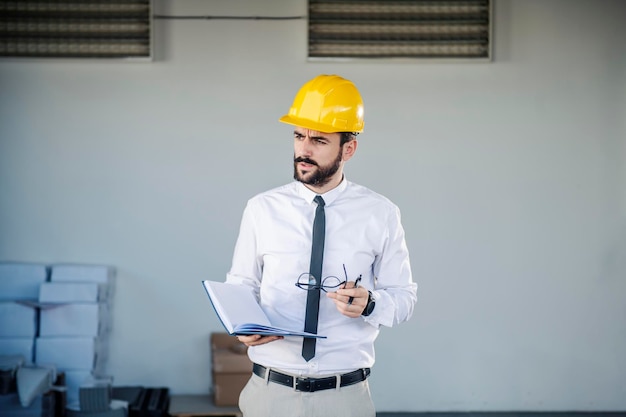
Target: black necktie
[[313, 295]]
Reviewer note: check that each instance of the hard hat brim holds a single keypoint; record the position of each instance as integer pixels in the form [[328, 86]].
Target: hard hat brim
[[310, 124]]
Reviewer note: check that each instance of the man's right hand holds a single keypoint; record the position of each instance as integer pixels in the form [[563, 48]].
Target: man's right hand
[[256, 339]]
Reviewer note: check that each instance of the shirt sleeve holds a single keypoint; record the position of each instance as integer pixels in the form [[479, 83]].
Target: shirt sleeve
[[247, 265], [395, 291]]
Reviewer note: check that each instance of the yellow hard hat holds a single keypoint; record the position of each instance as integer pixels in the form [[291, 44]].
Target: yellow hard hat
[[329, 104]]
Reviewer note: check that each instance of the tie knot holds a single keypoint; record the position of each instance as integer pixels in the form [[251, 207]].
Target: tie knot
[[319, 200]]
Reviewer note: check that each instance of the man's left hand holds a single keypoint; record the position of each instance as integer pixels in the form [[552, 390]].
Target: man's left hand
[[342, 296]]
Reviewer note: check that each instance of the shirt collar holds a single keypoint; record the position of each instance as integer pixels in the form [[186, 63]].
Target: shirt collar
[[330, 196]]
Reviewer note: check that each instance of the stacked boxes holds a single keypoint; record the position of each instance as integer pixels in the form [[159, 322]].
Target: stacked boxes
[[231, 368], [19, 288], [75, 322], [21, 281], [51, 317], [17, 320]]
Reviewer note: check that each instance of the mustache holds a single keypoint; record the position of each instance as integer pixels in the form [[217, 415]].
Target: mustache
[[305, 160]]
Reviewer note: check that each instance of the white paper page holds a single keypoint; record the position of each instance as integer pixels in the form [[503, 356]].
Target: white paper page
[[235, 303]]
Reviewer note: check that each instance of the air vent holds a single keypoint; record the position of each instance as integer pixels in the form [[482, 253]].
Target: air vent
[[400, 29], [76, 29]]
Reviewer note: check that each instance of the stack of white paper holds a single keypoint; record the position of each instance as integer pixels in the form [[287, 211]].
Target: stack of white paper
[[17, 320], [99, 274], [76, 319], [23, 346], [72, 353], [75, 322], [19, 283], [72, 292]]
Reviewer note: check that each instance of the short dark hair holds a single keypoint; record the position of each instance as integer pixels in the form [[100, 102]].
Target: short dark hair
[[347, 137]]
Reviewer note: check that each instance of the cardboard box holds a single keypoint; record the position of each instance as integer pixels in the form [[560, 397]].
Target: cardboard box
[[231, 368]]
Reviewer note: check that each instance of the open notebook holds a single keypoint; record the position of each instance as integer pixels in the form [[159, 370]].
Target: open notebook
[[240, 313]]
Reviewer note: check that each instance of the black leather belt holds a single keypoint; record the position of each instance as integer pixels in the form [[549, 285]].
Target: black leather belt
[[311, 384]]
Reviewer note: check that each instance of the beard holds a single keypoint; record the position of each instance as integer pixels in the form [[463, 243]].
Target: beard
[[319, 177]]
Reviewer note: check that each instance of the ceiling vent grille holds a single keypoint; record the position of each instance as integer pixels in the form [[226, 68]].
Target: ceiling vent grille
[[76, 29], [438, 29]]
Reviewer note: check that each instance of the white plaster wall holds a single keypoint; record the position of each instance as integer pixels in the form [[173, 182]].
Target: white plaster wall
[[510, 175]]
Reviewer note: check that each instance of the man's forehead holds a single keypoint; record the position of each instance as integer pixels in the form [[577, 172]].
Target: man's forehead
[[314, 133]]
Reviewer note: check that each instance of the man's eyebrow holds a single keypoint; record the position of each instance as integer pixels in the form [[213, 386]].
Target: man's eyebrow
[[319, 136], [316, 137]]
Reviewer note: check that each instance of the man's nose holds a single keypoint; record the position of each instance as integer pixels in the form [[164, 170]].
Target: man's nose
[[304, 147]]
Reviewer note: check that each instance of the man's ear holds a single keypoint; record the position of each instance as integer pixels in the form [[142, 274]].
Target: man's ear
[[349, 148]]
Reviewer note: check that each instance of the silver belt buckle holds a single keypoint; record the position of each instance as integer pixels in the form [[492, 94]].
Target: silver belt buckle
[[304, 384]]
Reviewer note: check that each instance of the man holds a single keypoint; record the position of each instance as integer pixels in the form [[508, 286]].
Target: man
[[354, 235]]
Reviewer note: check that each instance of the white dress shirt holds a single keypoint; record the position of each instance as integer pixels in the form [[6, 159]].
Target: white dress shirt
[[363, 232]]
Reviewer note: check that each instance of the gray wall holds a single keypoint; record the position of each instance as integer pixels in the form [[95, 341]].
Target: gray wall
[[510, 175]]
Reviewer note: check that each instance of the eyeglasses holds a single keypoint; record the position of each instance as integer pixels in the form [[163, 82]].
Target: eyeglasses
[[331, 283]]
